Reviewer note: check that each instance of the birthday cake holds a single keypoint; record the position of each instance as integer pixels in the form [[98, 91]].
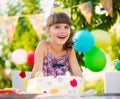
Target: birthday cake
[[56, 85]]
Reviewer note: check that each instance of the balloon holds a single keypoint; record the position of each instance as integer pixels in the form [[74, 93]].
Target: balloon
[[117, 66], [84, 41], [30, 58], [19, 56], [102, 38], [95, 60]]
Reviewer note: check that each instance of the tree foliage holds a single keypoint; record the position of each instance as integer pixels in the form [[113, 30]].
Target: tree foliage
[[98, 21], [115, 35], [25, 37], [24, 7]]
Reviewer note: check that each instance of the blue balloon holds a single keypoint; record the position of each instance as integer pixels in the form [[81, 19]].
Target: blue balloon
[[84, 41]]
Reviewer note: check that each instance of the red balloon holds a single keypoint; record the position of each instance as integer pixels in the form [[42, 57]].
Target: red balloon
[[30, 58]]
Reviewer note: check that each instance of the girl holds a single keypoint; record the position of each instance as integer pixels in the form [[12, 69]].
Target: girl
[[56, 56]]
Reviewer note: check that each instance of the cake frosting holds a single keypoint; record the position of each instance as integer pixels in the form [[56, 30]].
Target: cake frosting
[[56, 85]]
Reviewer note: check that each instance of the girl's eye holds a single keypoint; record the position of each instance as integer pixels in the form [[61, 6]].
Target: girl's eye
[[67, 27], [56, 27]]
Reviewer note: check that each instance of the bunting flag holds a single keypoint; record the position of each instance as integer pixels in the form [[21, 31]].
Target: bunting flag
[[0, 21], [107, 5], [59, 9], [86, 10], [56, 7], [55, 4], [9, 23], [38, 23]]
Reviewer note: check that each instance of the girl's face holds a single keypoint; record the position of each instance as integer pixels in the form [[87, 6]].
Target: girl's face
[[59, 33]]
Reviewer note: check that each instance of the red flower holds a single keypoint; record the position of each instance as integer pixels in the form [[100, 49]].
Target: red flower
[[22, 74]]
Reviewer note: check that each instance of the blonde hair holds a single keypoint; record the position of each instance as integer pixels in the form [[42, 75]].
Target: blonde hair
[[61, 18]]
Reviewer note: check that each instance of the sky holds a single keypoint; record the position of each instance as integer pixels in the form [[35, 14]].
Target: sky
[[3, 5], [45, 5]]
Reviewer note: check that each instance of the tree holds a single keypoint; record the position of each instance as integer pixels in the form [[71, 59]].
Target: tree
[[4, 57], [24, 37], [98, 21], [24, 7]]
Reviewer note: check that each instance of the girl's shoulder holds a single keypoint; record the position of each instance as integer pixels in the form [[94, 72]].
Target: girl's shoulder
[[70, 51], [43, 45]]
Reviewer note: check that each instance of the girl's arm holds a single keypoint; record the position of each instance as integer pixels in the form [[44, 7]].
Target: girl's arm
[[74, 63], [38, 58]]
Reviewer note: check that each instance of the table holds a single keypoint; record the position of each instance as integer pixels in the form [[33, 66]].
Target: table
[[38, 96]]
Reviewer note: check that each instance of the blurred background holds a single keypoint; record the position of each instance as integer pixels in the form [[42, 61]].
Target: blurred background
[[97, 35]]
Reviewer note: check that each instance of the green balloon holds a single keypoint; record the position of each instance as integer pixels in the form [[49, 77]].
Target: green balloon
[[117, 66], [95, 60]]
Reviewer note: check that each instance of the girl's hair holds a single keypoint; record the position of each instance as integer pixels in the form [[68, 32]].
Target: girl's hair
[[61, 18]]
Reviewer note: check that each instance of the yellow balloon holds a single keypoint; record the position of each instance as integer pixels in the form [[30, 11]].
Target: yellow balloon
[[102, 38]]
